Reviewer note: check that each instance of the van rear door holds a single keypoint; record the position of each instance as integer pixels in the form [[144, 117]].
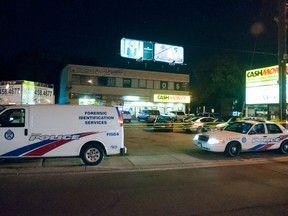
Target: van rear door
[[13, 132]]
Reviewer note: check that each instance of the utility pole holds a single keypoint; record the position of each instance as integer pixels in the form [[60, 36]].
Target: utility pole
[[282, 58]]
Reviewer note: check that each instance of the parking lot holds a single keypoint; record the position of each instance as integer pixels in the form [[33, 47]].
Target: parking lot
[[147, 150], [141, 138]]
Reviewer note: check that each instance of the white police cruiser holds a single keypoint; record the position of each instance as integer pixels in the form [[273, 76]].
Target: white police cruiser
[[245, 136]]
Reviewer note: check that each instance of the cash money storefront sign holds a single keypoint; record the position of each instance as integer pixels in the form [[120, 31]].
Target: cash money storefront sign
[[171, 98]]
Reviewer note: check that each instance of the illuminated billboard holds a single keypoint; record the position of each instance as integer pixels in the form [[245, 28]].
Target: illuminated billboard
[[262, 85], [26, 92], [136, 49], [168, 53]]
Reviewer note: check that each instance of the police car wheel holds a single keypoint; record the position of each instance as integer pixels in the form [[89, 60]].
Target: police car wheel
[[284, 147], [92, 154], [233, 149]]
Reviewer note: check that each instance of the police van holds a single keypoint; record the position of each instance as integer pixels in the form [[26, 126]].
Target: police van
[[90, 132]]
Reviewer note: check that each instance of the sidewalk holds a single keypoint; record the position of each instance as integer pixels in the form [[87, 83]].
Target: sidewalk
[[127, 163]]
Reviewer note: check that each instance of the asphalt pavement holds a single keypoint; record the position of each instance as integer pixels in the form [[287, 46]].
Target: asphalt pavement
[[127, 163]]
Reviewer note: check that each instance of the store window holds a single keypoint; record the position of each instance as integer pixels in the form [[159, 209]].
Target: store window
[[87, 80], [127, 83], [75, 79], [106, 81], [111, 81]]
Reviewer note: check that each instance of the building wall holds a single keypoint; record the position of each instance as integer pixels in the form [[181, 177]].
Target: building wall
[[111, 85]]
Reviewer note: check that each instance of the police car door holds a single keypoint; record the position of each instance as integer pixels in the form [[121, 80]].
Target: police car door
[[257, 139], [275, 135], [13, 132]]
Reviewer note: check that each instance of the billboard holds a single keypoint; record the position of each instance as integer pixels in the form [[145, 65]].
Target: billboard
[[136, 49], [262, 85], [26, 92], [168, 53]]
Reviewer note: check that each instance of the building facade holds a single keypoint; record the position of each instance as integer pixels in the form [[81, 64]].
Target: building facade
[[262, 92], [132, 90]]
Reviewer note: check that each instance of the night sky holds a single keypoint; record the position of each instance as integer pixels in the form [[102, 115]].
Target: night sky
[[93, 28]]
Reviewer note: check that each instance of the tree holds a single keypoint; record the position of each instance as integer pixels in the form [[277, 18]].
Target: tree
[[216, 79]]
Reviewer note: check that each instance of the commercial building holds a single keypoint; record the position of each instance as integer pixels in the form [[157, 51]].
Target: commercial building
[[132, 90], [262, 92]]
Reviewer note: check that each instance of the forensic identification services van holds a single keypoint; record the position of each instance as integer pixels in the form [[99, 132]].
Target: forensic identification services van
[[90, 132]]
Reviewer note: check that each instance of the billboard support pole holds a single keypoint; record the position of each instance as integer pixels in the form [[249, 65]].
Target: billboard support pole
[[282, 58]]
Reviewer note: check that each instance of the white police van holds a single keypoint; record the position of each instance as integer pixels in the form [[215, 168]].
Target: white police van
[[90, 132]]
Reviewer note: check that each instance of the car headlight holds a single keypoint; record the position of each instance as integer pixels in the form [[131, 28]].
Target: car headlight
[[213, 141]]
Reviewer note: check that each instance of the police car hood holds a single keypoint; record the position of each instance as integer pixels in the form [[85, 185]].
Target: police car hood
[[223, 134]]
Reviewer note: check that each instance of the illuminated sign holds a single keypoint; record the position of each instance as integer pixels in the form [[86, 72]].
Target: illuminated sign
[[10, 94], [163, 85], [131, 98], [262, 76], [171, 98], [262, 95], [26, 92], [86, 101], [136, 49], [168, 53], [37, 93], [262, 85]]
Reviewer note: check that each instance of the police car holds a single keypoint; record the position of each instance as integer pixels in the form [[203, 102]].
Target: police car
[[53, 130], [245, 136]]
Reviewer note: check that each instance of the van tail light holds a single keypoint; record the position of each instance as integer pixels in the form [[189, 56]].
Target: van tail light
[[120, 117], [120, 121]]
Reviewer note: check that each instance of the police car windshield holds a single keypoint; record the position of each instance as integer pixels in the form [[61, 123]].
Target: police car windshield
[[239, 127]]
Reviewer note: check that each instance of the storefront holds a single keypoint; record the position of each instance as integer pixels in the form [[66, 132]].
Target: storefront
[[132, 90], [162, 102], [262, 93]]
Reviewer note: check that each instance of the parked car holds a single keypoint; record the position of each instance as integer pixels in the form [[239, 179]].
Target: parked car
[[208, 114], [177, 115], [148, 115], [126, 116], [220, 126], [191, 115], [196, 124], [220, 123], [163, 123], [245, 136]]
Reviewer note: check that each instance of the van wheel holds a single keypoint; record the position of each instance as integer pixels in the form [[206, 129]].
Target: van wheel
[[233, 149], [92, 154], [284, 147]]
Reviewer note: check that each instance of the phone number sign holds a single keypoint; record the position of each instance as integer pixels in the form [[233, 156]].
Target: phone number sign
[[10, 91]]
